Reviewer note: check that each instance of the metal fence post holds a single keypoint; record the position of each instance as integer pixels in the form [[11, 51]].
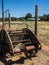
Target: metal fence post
[[3, 14], [9, 21], [36, 19]]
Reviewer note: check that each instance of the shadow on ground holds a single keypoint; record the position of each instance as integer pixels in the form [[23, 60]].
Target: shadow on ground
[[10, 62]]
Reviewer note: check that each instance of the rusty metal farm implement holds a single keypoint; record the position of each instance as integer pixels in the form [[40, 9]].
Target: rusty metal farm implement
[[17, 41]]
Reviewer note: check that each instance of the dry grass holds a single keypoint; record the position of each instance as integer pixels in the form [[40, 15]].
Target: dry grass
[[43, 36], [43, 29]]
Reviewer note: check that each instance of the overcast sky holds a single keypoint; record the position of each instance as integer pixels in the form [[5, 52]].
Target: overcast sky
[[20, 8]]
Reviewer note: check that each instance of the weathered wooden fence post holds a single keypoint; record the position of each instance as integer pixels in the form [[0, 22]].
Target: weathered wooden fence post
[[36, 19], [2, 13], [9, 21]]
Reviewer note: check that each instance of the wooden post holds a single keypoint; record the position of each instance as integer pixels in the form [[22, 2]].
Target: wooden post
[[36, 19], [3, 14], [9, 21]]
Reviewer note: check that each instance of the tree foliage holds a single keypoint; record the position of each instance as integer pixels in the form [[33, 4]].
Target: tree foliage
[[44, 17], [13, 18], [28, 15]]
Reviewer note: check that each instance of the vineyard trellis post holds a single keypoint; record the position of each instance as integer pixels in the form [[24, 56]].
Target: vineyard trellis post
[[2, 13], [9, 21], [36, 19]]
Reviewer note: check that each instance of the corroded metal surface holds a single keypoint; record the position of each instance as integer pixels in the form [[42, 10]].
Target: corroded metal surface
[[24, 41]]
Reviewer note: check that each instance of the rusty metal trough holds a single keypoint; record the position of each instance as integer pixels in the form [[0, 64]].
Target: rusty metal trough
[[19, 41]]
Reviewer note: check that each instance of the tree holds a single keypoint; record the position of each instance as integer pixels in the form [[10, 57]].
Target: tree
[[21, 18], [45, 17], [29, 15], [13, 18], [48, 17], [0, 19]]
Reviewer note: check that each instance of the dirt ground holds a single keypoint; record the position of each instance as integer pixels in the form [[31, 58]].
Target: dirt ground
[[42, 58]]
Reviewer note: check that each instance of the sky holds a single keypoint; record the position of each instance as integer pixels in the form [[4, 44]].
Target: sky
[[19, 8]]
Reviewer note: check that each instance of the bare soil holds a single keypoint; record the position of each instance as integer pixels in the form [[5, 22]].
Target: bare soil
[[42, 58]]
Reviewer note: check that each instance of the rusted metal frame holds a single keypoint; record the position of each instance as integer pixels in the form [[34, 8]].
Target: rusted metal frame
[[9, 42], [15, 31], [27, 40], [18, 34], [28, 48]]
